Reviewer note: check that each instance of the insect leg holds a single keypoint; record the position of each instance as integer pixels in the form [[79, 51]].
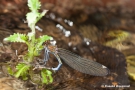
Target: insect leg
[[46, 55]]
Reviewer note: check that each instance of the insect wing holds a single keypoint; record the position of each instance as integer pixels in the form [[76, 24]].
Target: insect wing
[[81, 64]]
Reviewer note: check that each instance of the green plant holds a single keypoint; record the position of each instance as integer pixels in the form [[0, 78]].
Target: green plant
[[25, 68]]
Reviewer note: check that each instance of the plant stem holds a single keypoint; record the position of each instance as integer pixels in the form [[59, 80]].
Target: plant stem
[[32, 44]]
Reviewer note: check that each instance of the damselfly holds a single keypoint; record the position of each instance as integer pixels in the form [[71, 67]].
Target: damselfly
[[76, 62]]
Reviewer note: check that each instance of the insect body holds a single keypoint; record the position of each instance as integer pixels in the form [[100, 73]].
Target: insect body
[[76, 62]]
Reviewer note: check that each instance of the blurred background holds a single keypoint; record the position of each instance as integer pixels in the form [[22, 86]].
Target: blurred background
[[101, 30]]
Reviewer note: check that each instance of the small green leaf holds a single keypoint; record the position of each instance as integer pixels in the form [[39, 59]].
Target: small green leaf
[[43, 13], [22, 70], [46, 76], [16, 37], [41, 40], [32, 17], [49, 74], [34, 5]]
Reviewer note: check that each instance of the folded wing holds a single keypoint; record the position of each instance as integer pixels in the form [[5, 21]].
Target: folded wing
[[81, 64]]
